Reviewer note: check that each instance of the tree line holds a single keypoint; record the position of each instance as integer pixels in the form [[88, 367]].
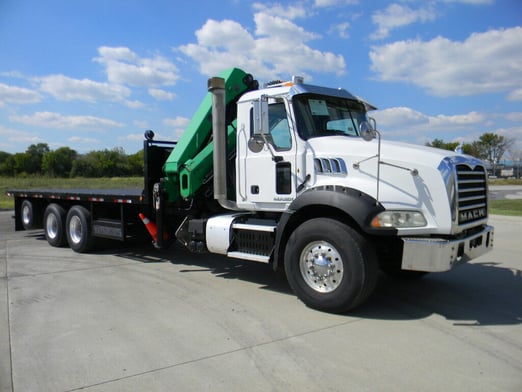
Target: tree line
[[490, 147], [65, 162]]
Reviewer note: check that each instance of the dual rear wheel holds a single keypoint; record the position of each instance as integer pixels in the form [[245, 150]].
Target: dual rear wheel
[[73, 227]]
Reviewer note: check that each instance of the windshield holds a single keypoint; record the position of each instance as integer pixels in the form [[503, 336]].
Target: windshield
[[320, 115]]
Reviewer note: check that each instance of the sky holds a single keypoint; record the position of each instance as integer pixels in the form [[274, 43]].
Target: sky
[[94, 75]]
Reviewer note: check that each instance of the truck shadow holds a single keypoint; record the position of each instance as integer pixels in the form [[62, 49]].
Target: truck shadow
[[476, 294], [219, 266]]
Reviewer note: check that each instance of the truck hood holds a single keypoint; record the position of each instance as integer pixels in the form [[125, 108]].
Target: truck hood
[[356, 149], [410, 176]]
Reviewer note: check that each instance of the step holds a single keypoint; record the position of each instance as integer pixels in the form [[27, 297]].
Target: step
[[255, 227], [249, 256]]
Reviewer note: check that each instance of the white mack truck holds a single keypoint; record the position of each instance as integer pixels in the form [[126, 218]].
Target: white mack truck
[[292, 175]]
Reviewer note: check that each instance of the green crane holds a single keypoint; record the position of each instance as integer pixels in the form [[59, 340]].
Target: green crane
[[190, 162]]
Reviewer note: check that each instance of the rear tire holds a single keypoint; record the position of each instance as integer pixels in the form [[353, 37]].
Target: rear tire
[[54, 225], [29, 216], [330, 266], [79, 229]]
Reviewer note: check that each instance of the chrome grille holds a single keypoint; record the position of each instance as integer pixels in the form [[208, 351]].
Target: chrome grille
[[330, 166], [472, 193]]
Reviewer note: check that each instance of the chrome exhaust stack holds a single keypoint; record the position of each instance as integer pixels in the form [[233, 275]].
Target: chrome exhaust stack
[[216, 86]]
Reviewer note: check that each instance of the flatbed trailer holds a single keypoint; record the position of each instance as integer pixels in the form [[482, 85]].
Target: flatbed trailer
[[113, 213]]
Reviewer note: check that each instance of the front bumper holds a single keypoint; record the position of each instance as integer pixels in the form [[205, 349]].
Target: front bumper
[[437, 255]]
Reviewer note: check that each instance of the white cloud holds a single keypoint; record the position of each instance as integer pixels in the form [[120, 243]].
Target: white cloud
[[178, 122], [57, 120], [281, 29], [399, 116], [133, 137], [141, 124], [408, 120], [134, 104], [123, 66], [18, 136], [17, 95], [277, 49], [397, 15], [161, 95], [472, 2], [512, 133], [65, 88], [83, 140], [483, 63], [443, 120], [333, 3], [341, 29], [515, 95], [177, 125], [292, 11], [515, 117]]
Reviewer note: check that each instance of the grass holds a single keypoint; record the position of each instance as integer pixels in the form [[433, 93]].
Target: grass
[[506, 207], [61, 183], [505, 181]]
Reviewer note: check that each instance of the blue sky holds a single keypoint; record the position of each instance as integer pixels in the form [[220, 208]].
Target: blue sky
[[93, 74]]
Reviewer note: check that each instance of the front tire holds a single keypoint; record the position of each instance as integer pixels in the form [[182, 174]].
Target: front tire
[[79, 229], [329, 265], [54, 225]]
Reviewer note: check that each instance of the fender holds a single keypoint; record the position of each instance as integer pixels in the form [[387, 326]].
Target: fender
[[360, 206]]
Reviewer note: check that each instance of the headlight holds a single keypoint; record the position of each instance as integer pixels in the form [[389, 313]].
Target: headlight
[[399, 219]]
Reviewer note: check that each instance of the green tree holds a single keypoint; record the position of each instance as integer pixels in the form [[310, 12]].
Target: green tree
[[6, 164], [136, 163], [35, 154], [4, 157], [21, 163], [468, 149], [58, 163], [493, 146], [439, 143], [104, 163]]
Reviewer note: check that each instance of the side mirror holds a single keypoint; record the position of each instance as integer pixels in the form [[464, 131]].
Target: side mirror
[[366, 131], [261, 116]]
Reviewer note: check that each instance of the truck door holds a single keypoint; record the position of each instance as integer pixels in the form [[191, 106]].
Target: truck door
[[266, 160]]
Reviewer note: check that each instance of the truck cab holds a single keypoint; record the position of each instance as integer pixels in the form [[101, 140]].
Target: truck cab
[[277, 130]]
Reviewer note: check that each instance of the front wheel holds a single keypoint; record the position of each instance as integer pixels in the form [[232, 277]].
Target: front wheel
[[79, 229], [329, 265]]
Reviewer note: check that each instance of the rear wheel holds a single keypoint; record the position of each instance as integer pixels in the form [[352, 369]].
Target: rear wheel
[[54, 225], [79, 229], [29, 216], [329, 265]]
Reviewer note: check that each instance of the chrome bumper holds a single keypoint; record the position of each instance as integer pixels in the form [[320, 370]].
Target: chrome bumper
[[437, 255]]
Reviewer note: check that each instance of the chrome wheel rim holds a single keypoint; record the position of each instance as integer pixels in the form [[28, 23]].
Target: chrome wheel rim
[[51, 226], [26, 215], [321, 266], [75, 229]]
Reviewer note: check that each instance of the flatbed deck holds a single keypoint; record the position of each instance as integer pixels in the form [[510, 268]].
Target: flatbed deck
[[127, 196]]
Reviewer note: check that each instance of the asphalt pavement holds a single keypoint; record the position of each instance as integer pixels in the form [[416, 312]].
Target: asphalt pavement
[[137, 319]]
